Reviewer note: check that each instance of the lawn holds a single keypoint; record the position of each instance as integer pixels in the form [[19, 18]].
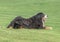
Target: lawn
[[9, 9]]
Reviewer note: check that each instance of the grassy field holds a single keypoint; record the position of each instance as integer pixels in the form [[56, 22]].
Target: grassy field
[[9, 9]]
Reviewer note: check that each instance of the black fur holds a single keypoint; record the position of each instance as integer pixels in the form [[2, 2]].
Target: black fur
[[32, 22]]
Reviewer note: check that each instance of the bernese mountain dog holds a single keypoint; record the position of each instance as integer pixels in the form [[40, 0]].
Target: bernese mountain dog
[[35, 22]]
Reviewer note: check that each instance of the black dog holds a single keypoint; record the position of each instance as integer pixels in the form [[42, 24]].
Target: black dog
[[35, 22]]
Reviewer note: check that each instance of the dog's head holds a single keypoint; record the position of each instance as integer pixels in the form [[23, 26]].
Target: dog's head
[[42, 16]]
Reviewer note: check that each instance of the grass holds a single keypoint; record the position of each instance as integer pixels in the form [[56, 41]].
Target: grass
[[9, 9]]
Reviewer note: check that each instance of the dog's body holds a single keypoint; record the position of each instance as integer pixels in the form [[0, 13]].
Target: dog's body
[[35, 22]]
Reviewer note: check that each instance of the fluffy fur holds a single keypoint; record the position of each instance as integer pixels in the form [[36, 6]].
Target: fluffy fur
[[36, 22]]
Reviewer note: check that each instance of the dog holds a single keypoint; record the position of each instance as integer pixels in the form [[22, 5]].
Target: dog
[[35, 22]]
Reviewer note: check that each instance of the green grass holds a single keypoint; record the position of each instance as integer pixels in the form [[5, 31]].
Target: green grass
[[9, 9]]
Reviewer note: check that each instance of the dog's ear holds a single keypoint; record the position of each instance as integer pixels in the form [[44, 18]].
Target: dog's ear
[[40, 15]]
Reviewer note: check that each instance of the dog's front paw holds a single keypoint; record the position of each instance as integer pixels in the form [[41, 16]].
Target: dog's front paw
[[48, 28]]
